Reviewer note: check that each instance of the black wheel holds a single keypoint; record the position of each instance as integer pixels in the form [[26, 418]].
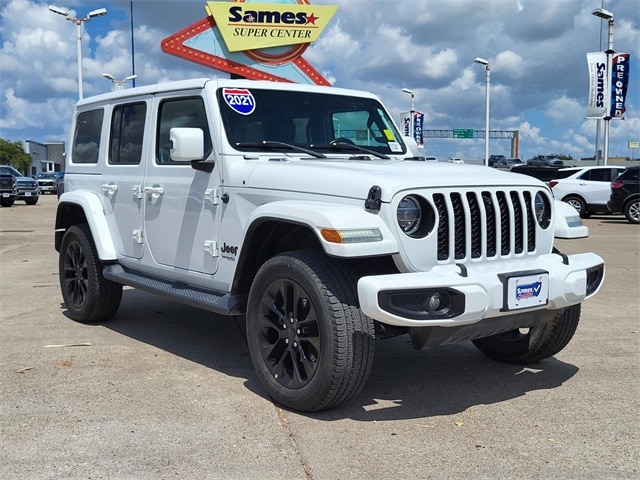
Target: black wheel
[[88, 296], [6, 203], [310, 344], [32, 201], [632, 211], [577, 203], [533, 344]]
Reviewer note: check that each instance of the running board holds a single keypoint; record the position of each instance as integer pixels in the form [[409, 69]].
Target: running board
[[225, 304]]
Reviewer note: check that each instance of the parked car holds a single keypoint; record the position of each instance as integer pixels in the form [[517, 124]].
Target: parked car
[[217, 198], [7, 189], [48, 182], [625, 194], [497, 161], [543, 173], [455, 160], [587, 189], [26, 187], [545, 160], [513, 162]]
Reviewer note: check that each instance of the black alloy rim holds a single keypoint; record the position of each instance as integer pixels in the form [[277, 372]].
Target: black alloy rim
[[75, 274], [289, 333]]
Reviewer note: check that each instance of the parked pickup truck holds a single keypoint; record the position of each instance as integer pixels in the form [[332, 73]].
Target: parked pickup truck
[[303, 210]]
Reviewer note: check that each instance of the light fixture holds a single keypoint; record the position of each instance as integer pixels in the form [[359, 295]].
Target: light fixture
[[78, 21], [484, 62]]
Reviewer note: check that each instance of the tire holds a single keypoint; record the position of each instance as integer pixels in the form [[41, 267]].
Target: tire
[[7, 203], [577, 203], [311, 346], [88, 296], [537, 343], [632, 211], [32, 201]]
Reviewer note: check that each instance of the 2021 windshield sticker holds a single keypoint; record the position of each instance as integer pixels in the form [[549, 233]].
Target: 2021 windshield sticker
[[240, 100]]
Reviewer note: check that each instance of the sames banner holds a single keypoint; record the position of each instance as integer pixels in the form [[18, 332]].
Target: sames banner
[[598, 85], [619, 83]]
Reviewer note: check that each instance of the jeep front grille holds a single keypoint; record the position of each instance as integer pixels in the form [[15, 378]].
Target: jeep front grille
[[484, 224]]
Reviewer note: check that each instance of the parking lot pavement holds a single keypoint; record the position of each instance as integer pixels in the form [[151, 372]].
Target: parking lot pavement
[[168, 391]]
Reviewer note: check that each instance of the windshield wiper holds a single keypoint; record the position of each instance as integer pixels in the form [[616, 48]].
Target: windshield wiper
[[350, 146], [270, 144]]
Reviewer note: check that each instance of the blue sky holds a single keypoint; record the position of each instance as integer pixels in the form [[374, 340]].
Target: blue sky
[[536, 48]]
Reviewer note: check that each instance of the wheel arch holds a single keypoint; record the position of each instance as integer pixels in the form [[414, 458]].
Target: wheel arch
[[286, 226], [79, 207], [631, 198]]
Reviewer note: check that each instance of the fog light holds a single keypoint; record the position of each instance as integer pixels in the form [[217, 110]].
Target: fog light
[[439, 303], [424, 304]]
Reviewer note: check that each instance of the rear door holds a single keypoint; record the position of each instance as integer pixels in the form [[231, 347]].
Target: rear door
[[122, 175], [596, 184]]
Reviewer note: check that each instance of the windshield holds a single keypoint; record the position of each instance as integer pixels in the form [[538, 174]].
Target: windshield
[[315, 121], [9, 169]]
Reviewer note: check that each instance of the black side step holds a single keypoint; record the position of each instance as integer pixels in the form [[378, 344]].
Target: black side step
[[223, 304]]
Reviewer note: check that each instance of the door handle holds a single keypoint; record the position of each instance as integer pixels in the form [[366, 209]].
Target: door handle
[[154, 190], [109, 188]]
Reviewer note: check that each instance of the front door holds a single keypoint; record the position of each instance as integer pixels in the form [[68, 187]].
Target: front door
[[180, 214]]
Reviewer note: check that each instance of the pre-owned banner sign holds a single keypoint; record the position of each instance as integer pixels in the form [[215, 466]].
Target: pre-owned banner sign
[[598, 85], [619, 83]]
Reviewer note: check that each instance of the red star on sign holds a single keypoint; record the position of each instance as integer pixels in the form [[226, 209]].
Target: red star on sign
[[311, 19]]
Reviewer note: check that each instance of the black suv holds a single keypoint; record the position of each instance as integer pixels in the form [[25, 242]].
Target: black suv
[[7, 189], [625, 194]]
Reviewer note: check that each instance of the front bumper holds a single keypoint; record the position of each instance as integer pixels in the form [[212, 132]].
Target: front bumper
[[482, 290], [27, 194]]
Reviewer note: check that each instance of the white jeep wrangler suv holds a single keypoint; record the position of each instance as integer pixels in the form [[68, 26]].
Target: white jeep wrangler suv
[[302, 209]]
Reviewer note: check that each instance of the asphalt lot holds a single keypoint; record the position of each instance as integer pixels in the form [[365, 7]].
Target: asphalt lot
[[167, 391]]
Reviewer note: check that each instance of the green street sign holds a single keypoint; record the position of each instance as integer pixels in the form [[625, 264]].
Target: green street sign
[[463, 133]]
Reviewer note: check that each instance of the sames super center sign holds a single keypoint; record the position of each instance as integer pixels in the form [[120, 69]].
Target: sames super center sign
[[254, 40]]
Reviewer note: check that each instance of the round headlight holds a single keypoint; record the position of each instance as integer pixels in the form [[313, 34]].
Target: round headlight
[[542, 209], [409, 214]]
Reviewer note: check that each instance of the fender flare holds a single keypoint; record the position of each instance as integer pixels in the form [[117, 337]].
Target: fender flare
[[319, 215], [91, 205], [567, 222]]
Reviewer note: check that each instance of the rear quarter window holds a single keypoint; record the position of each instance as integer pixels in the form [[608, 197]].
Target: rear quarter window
[[87, 136]]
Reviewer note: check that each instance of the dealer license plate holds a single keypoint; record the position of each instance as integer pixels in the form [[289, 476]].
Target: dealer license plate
[[27, 194], [526, 291], [5, 195]]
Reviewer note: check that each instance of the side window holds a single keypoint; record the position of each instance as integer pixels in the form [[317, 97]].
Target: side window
[[601, 175], [86, 138], [183, 112], [127, 133]]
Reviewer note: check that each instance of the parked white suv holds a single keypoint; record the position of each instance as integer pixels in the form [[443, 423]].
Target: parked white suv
[[243, 198], [587, 189]]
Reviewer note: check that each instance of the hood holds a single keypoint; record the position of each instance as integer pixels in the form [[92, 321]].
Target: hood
[[354, 178]]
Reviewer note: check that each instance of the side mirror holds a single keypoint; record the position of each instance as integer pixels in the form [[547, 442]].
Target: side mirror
[[187, 144]]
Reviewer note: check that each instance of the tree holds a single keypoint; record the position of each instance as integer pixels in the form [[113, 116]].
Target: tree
[[12, 153]]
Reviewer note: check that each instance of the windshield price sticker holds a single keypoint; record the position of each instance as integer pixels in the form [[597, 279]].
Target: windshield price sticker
[[527, 291]]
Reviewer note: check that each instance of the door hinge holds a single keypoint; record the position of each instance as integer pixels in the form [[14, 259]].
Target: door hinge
[[138, 191], [211, 247], [212, 196], [137, 237]]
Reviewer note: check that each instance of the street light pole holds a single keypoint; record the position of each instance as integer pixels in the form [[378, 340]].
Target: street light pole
[[78, 21], [119, 84], [411, 124], [484, 62], [607, 15]]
